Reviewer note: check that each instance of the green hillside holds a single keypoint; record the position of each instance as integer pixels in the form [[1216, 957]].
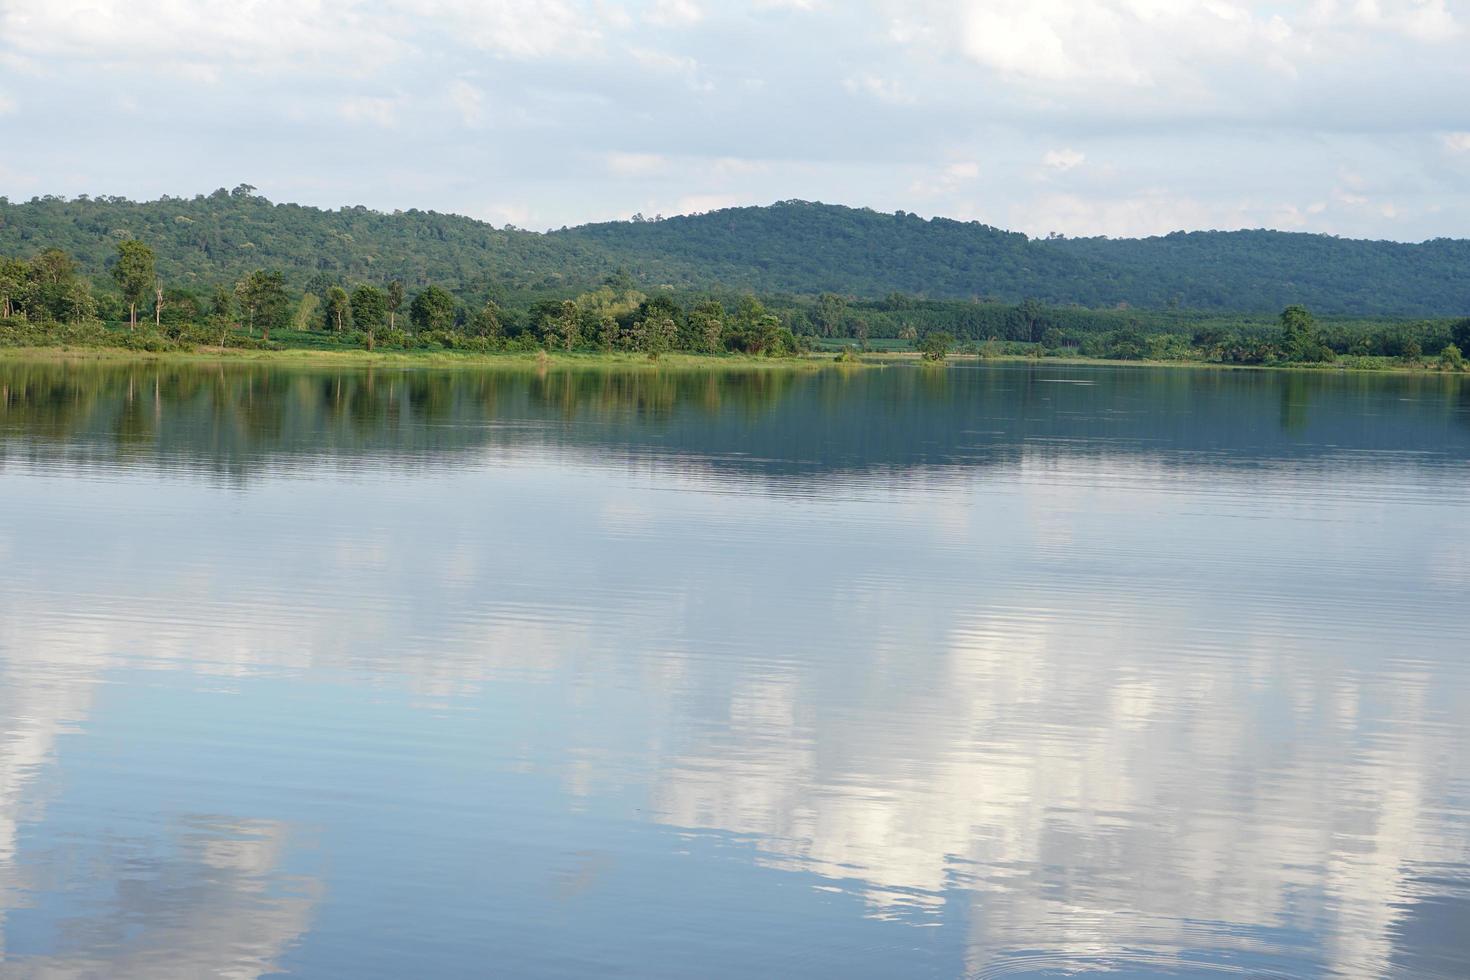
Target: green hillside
[[1267, 270], [790, 247]]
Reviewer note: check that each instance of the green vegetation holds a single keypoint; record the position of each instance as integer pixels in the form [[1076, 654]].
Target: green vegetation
[[934, 346], [49, 298], [794, 248]]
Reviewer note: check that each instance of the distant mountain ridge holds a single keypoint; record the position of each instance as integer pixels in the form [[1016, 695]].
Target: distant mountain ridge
[[789, 247]]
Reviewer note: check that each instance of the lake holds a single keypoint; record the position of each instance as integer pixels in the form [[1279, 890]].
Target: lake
[[971, 672]]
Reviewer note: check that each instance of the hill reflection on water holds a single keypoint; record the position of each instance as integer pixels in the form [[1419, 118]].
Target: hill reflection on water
[[770, 426]]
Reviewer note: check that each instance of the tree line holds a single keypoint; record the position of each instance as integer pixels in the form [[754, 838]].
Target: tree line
[[49, 289]]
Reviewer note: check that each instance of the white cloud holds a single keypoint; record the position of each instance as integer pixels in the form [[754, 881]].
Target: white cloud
[[663, 61], [1429, 21], [1061, 161], [636, 164], [1129, 41], [373, 110], [468, 101], [1150, 43], [700, 203], [1154, 212], [886, 90], [674, 13], [521, 28], [1160, 92], [739, 167], [339, 34], [948, 180]]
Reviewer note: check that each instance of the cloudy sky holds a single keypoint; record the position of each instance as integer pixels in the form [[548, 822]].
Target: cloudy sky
[[1118, 117]]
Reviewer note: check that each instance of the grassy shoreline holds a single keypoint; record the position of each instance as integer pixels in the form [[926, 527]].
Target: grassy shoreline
[[421, 358], [537, 360], [1384, 365]]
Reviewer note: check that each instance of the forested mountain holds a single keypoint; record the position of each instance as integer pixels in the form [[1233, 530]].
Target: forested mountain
[[1267, 270], [799, 247], [791, 247]]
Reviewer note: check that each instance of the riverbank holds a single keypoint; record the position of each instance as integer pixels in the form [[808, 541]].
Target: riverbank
[[1353, 365], [535, 360], [626, 361]]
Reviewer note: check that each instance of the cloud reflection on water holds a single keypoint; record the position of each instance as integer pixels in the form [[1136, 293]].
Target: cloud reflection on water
[[1135, 702]]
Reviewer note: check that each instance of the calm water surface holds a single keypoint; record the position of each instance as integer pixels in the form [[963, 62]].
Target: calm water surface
[[899, 673]]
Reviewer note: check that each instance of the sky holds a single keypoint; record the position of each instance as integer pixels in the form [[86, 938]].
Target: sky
[[1077, 117]]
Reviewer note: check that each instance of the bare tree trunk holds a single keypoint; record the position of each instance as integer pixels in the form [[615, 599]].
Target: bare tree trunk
[[158, 307], [132, 317]]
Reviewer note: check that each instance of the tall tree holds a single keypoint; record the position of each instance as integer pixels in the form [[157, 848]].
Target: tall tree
[[828, 314], [1299, 339], [263, 300], [1032, 314], [222, 303], [79, 302], [486, 323], [337, 312], [49, 292], [656, 334], [136, 276], [564, 329], [708, 321], [395, 302], [432, 309], [1460, 335], [13, 276], [369, 309]]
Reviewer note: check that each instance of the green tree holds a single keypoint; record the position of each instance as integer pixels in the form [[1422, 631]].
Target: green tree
[[1128, 344], [369, 309], [79, 303], [655, 334], [53, 267], [1411, 352], [1460, 335], [49, 292], [395, 302], [337, 311], [222, 303], [432, 309], [14, 275], [935, 345], [1300, 340], [1032, 314], [609, 332], [563, 327], [136, 275], [708, 322], [487, 323], [263, 300], [1451, 358], [828, 314]]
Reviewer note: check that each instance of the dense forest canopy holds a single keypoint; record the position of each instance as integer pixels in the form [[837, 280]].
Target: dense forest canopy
[[794, 247]]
